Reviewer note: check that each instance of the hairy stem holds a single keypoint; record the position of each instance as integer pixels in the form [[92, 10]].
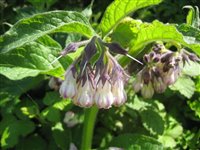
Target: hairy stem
[[88, 127]]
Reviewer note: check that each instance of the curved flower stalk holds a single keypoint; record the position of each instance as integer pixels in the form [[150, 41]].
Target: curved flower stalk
[[95, 78], [163, 67]]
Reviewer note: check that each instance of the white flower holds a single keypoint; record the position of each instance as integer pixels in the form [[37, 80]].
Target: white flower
[[147, 90], [104, 96], [68, 88], [138, 82], [119, 93], [171, 76], [159, 85], [84, 96]]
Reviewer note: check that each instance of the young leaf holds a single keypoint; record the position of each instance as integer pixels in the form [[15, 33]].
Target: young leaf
[[119, 9], [30, 29]]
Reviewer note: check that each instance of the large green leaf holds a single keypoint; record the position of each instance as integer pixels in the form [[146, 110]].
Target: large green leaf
[[29, 143], [12, 132], [188, 89], [61, 136], [13, 89], [152, 121], [119, 9], [136, 141], [31, 59], [157, 31], [30, 29]]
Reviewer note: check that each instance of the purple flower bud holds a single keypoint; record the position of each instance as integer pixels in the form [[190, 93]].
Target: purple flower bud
[[146, 75], [166, 56], [116, 48]]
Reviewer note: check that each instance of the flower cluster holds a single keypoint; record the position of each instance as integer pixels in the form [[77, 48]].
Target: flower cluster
[[95, 78], [162, 69]]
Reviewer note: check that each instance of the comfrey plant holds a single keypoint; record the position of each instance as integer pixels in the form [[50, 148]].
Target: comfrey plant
[[95, 78]]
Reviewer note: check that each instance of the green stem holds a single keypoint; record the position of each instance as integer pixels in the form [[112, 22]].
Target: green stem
[[88, 127]]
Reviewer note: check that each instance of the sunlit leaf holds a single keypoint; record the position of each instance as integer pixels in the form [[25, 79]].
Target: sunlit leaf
[[32, 59], [152, 121], [30, 29], [187, 90], [119, 9], [130, 141]]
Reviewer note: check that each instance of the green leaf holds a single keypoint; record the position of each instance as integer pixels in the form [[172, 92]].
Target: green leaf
[[189, 31], [195, 106], [51, 114], [167, 141], [32, 59], [30, 143], [193, 16], [119, 9], [12, 132], [138, 104], [61, 136], [158, 31], [30, 29], [191, 68], [152, 121], [188, 89], [126, 30], [51, 97], [8, 119], [130, 141], [12, 89]]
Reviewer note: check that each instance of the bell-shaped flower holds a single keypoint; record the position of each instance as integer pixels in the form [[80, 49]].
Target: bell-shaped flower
[[103, 95], [68, 88], [147, 90], [84, 96], [119, 93]]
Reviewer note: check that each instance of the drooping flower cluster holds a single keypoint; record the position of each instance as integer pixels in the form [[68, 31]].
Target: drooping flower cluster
[[95, 78], [162, 69]]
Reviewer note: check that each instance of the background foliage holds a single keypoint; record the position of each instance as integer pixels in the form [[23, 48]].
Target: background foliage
[[33, 113]]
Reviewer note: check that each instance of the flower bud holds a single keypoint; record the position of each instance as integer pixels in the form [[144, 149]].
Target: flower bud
[[147, 90]]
